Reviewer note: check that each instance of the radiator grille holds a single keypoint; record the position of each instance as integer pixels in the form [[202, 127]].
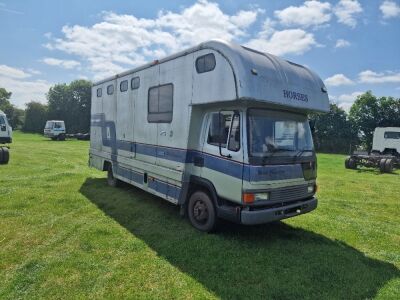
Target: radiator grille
[[289, 193]]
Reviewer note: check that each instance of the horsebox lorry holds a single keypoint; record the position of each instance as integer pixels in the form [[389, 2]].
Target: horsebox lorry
[[219, 129], [5, 138]]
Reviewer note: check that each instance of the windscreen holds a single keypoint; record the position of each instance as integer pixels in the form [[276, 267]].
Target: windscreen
[[276, 133], [49, 125]]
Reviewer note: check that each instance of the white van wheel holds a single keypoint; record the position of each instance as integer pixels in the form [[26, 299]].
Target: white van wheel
[[201, 212], [4, 155]]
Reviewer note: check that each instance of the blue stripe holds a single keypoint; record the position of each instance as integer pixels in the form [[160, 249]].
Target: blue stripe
[[235, 169]]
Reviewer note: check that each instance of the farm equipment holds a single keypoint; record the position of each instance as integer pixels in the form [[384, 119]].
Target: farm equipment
[[385, 154]]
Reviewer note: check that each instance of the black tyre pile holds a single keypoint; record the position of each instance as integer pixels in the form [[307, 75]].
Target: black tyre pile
[[4, 155]]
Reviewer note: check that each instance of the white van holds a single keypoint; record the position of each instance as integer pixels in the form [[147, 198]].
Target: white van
[[55, 130], [5, 138], [219, 129]]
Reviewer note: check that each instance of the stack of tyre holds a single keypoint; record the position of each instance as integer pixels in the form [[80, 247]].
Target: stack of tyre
[[4, 155]]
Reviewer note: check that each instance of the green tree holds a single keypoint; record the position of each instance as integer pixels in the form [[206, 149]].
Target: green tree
[[14, 115], [333, 132], [369, 112], [35, 117], [71, 103]]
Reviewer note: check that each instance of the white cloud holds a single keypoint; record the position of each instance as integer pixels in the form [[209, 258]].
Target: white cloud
[[23, 90], [290, 41], [345, 101], [66, 64], [346, 12], [341, 43], [369, 76], [123, 41], [338, 80], [390, 9], [13, 72], [311, 13]]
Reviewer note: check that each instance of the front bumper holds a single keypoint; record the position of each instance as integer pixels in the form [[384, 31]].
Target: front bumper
[[261, 216], [5, 140]]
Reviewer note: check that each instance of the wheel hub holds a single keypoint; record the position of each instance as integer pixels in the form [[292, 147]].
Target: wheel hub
[[200, 211]]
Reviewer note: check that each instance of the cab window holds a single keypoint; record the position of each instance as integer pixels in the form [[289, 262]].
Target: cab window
[[224, 129]]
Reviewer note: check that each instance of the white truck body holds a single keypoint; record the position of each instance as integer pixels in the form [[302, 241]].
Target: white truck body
[[386, 140], [5, 129], [54, 129], [156, 127]]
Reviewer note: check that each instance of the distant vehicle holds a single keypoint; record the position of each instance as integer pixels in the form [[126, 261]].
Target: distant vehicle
[[55, 130], [385, 153], [5, 138], [219, 129]]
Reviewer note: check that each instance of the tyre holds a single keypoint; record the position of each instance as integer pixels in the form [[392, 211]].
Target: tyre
[[111, 180], [201, 212], [4, 156], [346, 163], [61, 137], [389, 165], [351, 163], [382, 165]]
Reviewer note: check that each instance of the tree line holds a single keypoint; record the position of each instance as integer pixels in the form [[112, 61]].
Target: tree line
[[335, 132], [68, 102]]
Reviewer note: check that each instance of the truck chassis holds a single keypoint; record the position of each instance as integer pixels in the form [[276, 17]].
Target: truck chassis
[[385, 163]]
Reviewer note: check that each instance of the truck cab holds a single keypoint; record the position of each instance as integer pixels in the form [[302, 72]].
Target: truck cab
[[5, 138], [387, 140], [5, 129], [55, 130]]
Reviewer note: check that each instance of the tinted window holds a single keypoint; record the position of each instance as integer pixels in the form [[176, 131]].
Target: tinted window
[[392, 135], [2, 122], [123, 86], [110, 89], [234, 135], [205, 63], [219, 128], [135, 83], [160, 104], [99, 92]]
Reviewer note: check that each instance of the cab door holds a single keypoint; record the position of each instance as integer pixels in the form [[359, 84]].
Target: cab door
[[223, 153]]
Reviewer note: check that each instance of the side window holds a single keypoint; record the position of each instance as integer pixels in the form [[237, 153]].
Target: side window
[[123, 86], [2, 122], [392, 135], [160, 104], [205, 63], [110, 89], [99, 92], [225, 129], [135, 83], [57, 125]]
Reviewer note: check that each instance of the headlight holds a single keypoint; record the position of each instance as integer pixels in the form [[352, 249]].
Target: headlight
[[249, 198], [310, 189]]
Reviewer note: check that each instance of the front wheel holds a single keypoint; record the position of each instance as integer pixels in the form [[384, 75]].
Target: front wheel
[[201, 212]]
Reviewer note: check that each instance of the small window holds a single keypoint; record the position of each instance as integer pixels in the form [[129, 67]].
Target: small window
[[123, 86], [2, 121], [205, 63], [99, 92], [160, 104], [135, 83], [110, 89], [392, 135], [225, 129]]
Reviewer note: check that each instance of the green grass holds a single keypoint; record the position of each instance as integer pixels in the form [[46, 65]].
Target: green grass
[[65, 234]]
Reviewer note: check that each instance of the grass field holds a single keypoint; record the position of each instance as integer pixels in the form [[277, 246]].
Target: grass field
[[65, 234]]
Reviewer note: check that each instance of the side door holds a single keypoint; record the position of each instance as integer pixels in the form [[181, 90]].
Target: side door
[[223, 153]]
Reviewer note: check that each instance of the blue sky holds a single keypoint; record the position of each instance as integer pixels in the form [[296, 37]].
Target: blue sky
[[353, 45]]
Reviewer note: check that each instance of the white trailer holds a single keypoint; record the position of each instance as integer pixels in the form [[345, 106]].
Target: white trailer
[[219, 129], [5, 138]]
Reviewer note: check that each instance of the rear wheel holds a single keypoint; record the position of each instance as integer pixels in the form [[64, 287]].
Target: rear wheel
[[201, 212], [382, 165], [111, 180], [350, 163], [389, 165]]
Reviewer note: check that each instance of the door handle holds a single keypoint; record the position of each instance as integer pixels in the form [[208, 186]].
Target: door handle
[[164, 133]]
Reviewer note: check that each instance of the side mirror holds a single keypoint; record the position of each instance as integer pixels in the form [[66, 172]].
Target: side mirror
[[312, 124]]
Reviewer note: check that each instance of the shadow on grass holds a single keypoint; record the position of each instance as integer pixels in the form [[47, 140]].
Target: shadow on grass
[[275, 261], [373, 171]]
